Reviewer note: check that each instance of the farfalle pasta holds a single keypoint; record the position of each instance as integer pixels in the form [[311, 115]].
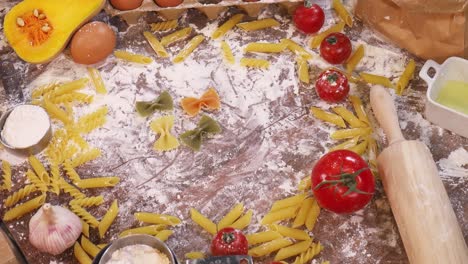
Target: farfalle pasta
[[162, 126], [194, 138], [162, 102], [209, 100]]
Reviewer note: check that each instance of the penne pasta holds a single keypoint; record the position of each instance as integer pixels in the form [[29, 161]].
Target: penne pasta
[[349, 117], [265, 47], [148, 230], [255, 63], [303, 213], [345, 145], [262, 237], [342, 12], [290, 232], [85, 228], [355, 58], [315, 43], [243, 221], [293, 250], [405, 77], [152, 218], [81, 255], [163, 235], [304, 184], [132, 57], [194, 255], [6, 174], [297, 49], [97, 80], [176, 36], [259, 24], [359, 109], [227, 53], [226, 26], [34, 180], [327, 117], [269, 247], [108, 219], [188, 49], [360, 148], [89, 247], [55, 112], [24, 208], [312, 215], [278, 215], [288, 202], [164, 25], [19, 195], [231, 216], [69, 87], [202, 221], [155, 44], [303, 70], [351, 133], [98, 182], [376, 79]]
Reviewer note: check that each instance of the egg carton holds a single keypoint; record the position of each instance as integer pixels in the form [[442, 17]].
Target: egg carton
[[211, 8]]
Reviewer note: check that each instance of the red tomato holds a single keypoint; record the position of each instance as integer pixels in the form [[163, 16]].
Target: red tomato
[[229, 241], [335, 48], [332, 86], [342, 182], [309, 18], [168, 3]]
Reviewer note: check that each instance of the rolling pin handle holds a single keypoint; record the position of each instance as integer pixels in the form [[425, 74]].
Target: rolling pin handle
[[385, 112]]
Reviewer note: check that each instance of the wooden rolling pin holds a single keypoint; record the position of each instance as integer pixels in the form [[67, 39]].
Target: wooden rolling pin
[[421, 207]]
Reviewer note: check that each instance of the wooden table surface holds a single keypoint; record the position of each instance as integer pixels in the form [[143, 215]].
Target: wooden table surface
[[256, 160]]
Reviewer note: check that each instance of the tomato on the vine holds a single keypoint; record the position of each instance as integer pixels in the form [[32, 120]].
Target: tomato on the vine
[[335, 48], [168, 3], [332, 86], [309, 17], [229, 241], [342, 182]]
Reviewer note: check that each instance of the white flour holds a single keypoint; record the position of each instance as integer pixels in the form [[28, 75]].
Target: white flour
[[456, 164], [25, 126]]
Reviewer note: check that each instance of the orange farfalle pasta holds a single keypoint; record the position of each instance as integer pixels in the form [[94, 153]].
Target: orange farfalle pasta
[[209, 100]]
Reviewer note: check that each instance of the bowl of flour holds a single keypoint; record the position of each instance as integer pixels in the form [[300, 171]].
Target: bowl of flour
[[25, 129]]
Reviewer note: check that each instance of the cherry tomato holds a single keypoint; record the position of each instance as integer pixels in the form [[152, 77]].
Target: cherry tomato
[[332, 86], [335, 48], [168, 3], [229, 241], [309, 18], [342, 182]]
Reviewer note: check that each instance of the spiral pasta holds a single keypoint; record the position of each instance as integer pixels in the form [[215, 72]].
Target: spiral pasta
[[43, 90], [164, 25], [88, 201], [89, 122], [33, 179], [85, 157], [70, 171], [71, 190], [306, 256], [84, 215], [55, 177], [73, 97], [227, 53], [19, 195]]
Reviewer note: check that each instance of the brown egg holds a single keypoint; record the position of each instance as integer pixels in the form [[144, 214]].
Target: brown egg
[[92, 43], [126, 4], [168, 3]]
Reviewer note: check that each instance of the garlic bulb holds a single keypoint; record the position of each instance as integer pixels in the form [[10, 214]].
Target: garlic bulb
[[53, 229]]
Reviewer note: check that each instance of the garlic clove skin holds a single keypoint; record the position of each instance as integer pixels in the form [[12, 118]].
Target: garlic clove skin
[[53, 229]]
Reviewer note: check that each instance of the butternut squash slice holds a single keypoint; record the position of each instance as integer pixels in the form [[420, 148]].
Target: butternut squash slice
[[39, 30]]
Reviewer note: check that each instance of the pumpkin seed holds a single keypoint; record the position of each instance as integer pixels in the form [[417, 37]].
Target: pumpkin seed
[[45, 28], [20, 22], [42, 16], [36, 13]]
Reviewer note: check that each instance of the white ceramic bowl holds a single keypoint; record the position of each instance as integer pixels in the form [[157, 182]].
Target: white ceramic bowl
[[453, 68]]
